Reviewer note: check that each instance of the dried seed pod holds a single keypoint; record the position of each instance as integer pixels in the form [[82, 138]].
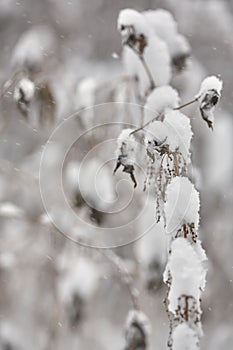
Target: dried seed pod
[[208, 96], [125, 153], [133, 29]]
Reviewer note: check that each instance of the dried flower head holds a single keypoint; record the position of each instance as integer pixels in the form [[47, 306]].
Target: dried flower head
[[133, 29], [126, 150], [208, 96]]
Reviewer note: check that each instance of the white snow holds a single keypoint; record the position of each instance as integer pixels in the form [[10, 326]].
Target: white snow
[[160, 100], [179, 132], [208, 97], [33, 46], [126, 146], [157, 58], [165, 27], [156, 54], [81, 277], [186, 271], [136, 316], [210, 83], [184, 338], [93, 180], [25, 87], [175, 130], [85, 94], [181, 46], [129, 18], [182, 205]]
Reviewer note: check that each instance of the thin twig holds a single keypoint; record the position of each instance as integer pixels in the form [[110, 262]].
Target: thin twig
[[148, 72], [145, 66], [142, 127], [186, 310], [155, 118], [186, 104]]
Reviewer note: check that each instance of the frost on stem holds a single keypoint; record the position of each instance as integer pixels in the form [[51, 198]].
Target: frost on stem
[[173, 135], [170, 131], [167, 144], [208, 97], [145, 56], [165, 27], [187, 273], [187, 279], [137, 331], [126, 153], [182, 209], [23, 94]]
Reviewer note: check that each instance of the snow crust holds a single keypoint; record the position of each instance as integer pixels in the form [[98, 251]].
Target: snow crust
[[187, 272], [182, 204], [159, 101], [165, 27], [126, 147], [132, 18], [175, 131], [210, 83]]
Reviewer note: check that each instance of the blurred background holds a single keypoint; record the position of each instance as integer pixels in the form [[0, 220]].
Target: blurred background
[[56, 294]]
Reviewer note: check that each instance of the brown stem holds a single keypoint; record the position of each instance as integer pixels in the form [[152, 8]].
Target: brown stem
[[148, 72], [145, 66], [143, 126], [186, 310], [186, 104], [185, 231], [176, 165], [174, 109]]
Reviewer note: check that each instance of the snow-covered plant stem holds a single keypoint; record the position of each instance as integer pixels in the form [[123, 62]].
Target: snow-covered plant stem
[[185, 271], [167, 140]]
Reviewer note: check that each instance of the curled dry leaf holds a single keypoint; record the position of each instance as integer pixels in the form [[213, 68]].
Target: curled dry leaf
[[207, 106]]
